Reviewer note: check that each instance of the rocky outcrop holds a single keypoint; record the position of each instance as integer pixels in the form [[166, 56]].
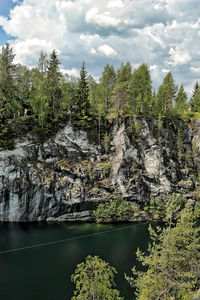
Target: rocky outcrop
[[64, 178]]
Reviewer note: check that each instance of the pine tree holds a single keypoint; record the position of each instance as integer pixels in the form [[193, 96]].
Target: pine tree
[[94, 280], [82, 105], [173, 269]]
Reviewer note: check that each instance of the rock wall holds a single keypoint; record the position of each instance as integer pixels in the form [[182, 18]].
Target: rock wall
[[65, 177]]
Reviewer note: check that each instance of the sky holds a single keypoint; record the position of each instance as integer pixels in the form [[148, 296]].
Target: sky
[[165, 34]]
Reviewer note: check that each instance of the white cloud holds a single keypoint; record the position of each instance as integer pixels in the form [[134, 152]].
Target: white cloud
[[70, 72], [104, 19], [105, 50], [27, 52], [178, 57], [152, 67], [195, 69], [162, 33], [115, 4], [165, 70], [155, 38], [160, 4]]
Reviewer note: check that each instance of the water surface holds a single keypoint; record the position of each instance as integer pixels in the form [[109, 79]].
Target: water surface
[[43, 273]]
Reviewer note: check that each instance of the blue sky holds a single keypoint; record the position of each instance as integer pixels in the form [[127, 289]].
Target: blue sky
[[5, 7], [164, 34]]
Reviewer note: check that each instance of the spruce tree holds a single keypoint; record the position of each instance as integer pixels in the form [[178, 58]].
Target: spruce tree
[[82, 106], [53, 82]]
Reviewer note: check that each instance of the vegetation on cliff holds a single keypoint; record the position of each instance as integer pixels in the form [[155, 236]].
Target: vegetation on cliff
[[44, 99], [115, 210]]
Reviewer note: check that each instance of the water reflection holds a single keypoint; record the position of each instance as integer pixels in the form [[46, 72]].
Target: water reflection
[[44, 272]]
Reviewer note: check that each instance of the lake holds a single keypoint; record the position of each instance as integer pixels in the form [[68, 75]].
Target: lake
[[43, 273]]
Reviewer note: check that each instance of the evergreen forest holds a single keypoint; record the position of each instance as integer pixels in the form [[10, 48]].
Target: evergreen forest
[[40, 100]]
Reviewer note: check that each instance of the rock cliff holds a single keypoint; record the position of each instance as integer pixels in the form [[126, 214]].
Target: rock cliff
[[66, 176]]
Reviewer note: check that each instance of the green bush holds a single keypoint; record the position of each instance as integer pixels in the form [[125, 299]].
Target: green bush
[[106, 169], [116, 209]]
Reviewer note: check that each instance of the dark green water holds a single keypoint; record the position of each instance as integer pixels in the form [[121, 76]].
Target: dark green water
[[43, 273]]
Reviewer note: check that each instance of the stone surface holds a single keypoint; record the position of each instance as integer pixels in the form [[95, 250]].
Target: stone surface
[[64, 178]]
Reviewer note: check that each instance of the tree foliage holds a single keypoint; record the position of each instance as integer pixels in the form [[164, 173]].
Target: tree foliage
[[195, 99], [166, 93], [8, 92], [121, 93], [53, 88], [82, 105], [51, 97], [141, 90], [181, 100], [107, 82], [116, 209], [172, 262], [94, 280]]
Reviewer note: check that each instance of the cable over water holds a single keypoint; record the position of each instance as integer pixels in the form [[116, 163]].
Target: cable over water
[[63, 240]]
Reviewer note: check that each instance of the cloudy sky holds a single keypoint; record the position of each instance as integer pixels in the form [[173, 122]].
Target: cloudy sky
[[165, 34]]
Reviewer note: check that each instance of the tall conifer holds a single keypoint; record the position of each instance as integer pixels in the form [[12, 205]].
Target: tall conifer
[[8, 103], [195, 99], [181, 100], [82, 105], [53, 84], [121, 93], [167, 93], [141, 90]]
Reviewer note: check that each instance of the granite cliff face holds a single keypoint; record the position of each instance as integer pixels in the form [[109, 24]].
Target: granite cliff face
[[63, 178]]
